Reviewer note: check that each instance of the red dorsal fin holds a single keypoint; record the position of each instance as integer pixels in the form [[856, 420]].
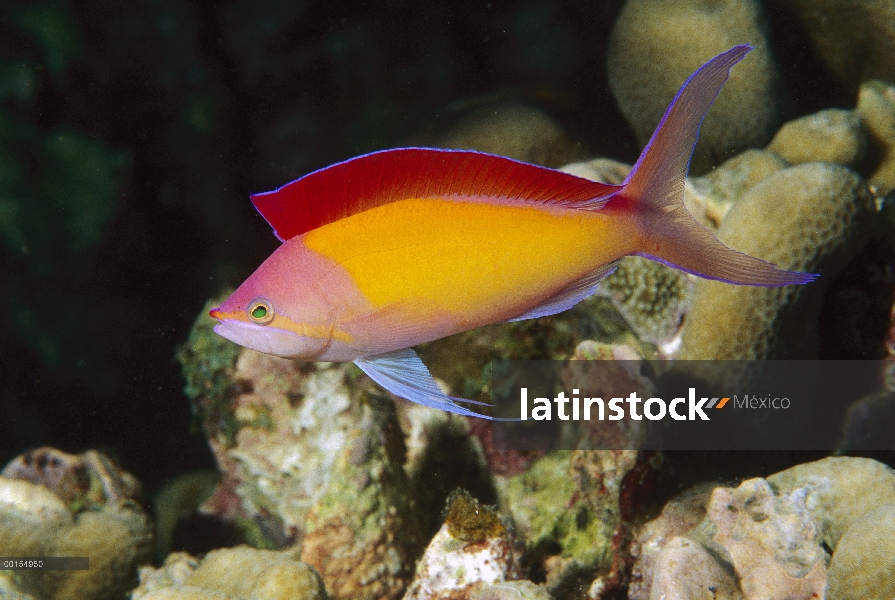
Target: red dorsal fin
[[376, 179]]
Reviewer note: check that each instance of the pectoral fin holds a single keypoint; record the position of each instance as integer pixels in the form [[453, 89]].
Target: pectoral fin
[[403, 373]]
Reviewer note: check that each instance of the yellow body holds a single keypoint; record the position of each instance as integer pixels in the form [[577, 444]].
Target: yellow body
[[468, 257]]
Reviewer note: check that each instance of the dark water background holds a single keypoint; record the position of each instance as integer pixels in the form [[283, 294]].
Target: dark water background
[[132, 133]]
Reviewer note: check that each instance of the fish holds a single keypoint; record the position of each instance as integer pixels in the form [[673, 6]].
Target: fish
[[399, 247]]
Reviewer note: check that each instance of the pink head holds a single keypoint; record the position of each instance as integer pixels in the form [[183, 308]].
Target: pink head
[[287, 306]]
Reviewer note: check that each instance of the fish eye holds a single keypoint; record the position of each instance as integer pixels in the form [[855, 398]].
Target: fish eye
[[260, 311]]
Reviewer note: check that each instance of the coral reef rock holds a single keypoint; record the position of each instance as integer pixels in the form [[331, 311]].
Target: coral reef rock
[[823, 216], [566, 508], [678, 517], [856, 39], [91, 518], [310, 452], [87, 480], [472, 550], [833, 135], [842, 489], [686, 570], [769, 538], [655, 46], [863, 566], [772, 541], [231, 574]]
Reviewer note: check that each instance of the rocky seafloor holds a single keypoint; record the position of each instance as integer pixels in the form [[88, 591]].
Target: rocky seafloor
[[327, 487]]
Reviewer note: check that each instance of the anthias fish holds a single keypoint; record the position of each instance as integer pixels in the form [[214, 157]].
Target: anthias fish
[[400, 247]]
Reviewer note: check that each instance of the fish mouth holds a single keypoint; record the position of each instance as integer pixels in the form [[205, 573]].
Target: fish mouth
[[267, 339]]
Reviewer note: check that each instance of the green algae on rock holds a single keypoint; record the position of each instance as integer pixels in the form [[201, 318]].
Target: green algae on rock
[[823, 216], [470, 522], [863, 566], [207, 361], [655, 46], [566, 509], [364, 532], [833, 136], [231, 574]]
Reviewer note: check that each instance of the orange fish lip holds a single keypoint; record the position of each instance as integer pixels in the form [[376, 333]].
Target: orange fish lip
[[220, 315]]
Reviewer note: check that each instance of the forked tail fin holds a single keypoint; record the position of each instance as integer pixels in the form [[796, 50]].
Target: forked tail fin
[[656, 189]]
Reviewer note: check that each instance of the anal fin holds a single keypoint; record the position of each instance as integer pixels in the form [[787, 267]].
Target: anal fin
[[570, 296]]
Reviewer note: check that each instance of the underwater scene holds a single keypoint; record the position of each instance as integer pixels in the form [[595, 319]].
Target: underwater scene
[[265, 267]]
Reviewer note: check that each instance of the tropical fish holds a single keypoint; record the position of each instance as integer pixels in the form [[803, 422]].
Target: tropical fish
[[399, 247]]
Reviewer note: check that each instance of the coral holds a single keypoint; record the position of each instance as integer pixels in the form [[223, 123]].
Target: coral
[[823, 216], [876, 105], [833, 135], [207, 361], [364, 532], [35, 522], [655, 46], [231, 574], [840, 490], [773, 542], [863, 566], [508, 128], [471, 550], [856, 39], [605, 170], [650, 296], [723, 186]]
